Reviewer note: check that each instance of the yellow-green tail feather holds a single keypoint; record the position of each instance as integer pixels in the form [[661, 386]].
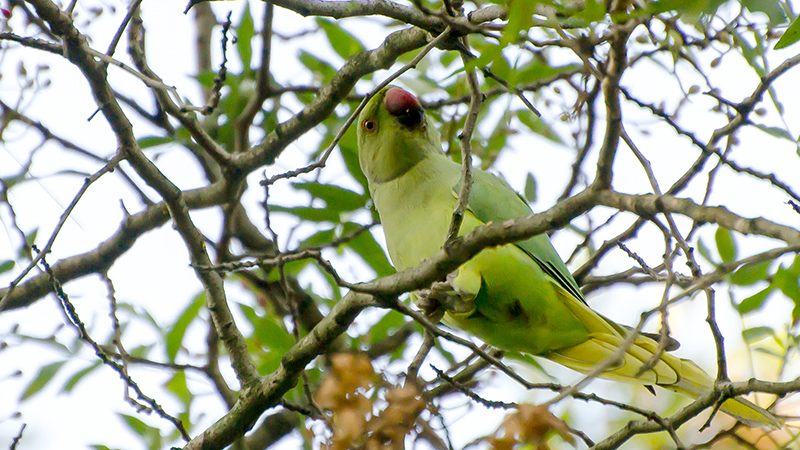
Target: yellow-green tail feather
[[670, 372], [678, 375]]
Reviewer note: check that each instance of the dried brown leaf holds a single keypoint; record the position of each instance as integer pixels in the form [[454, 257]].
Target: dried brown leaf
[[389, 428], [530, 424]]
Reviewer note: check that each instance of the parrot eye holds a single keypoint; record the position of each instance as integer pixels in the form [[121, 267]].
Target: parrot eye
[[370, 126]]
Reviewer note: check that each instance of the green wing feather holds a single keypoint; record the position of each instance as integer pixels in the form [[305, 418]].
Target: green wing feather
[[492, 200]]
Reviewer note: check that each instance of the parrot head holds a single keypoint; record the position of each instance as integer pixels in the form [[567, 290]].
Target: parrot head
[[393, 135]]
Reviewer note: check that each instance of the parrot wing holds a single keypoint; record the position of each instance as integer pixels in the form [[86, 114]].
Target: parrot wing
[[492, 200]]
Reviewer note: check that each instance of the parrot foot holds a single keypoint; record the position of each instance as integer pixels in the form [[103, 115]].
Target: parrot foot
[[445, 297], [431, 307]]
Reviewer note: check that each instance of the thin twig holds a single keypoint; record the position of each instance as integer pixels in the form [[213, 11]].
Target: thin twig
[[73, 319], [88, 181], [263, 84], [687, 250], [476, 98], [491, 404], [487, 72], [663, 340], [711, 318], [354, 115], [215, 94], [132, 8], [17, 438], [428, 341]]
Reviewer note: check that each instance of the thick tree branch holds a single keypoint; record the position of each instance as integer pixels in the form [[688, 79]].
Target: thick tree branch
[[39, 44], [650, 205], [330, 95], [720, 391], [614, 67], [412, 16]]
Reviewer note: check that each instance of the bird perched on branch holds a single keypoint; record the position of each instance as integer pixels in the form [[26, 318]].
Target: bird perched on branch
[[518, 297]]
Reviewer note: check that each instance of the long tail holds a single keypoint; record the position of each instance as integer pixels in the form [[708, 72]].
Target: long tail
[[676, 374], [670, 372]]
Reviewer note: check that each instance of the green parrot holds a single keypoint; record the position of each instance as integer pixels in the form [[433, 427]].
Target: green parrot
[[518, 297]]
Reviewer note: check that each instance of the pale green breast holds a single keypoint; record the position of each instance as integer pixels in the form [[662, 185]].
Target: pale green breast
[[517, 307], [416, 209]]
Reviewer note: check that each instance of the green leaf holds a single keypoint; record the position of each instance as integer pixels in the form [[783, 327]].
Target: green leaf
[[335, 197], [790, 36], [750, 53], [593, 11], [750, 273], [773, 95], [206, 78], [244, 37], [72, 172], [390, 321], [796, 314], [135, 424], [531, 361], [177, 385], [348, 146], [343, 43], [322, 71], [755, 301], [691, 7], [775, 132], [270, 339], [704, 251], [30, 239], [271, 335], [537, 70], [178, 330], [48, 341], [530, 188], [502, 69], [269, 121], [770, 8], [319, 238], [372, 253], [788, 281], [5, 266], [140, 313], [309, 213], [447, 58], [151, 435], [46, 374], [770, 352], [751, 335], [726, 245], [488, 54], [154, 141], [140, 351], [78, 376], [520, 19], [538, 126]]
